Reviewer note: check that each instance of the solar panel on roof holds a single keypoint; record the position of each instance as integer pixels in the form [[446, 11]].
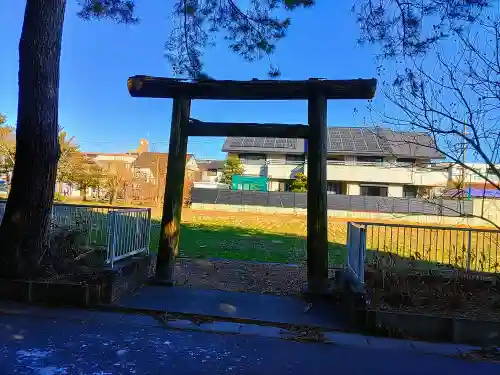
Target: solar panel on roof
[[280, 143], [269, 142], [360, 146], [236, 141], [258, 142], [372, 147], [248, 141]]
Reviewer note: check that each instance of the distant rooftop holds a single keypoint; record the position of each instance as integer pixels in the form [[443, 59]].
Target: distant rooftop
[[149, 159], [345, 141]]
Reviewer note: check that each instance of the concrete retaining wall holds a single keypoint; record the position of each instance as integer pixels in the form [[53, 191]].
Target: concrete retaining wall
[[368, 216]]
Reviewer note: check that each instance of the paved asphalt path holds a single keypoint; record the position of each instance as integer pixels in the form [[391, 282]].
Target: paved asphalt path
[[50, 346]]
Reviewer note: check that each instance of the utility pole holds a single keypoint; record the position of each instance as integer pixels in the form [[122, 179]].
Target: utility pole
[[464, 153], [464, 132]]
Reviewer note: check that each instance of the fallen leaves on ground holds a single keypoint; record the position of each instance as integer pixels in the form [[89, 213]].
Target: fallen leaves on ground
[[241, 276], [416, 293], [490, 354]]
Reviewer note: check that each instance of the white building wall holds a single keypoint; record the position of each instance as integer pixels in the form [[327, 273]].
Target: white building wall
[[205, 177], [353, 189], [104, 157], [354, 173], [457, 171], [395, 191], [276, 159], [209, 185], [273, 185], [349, 159], [252, 170]]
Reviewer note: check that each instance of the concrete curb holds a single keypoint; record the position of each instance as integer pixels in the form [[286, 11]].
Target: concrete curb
[[327, 337], [303, 335]]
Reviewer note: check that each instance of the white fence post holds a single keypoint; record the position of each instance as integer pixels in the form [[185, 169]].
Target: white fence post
[[362, 254], [356, 251], [148, 229], [111, 238], [123, 232]]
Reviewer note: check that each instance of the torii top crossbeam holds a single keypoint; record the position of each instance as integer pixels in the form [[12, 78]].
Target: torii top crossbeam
[[157, 87]]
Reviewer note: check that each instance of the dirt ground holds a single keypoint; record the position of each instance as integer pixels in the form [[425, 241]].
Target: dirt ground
[[241, 276], [416, 293]]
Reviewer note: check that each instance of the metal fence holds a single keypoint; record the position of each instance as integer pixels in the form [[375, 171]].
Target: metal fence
[[128, 233], [120, 232], [356, 251], [432, 247], [443, 207]]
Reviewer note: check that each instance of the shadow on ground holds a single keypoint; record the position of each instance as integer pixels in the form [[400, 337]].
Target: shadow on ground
[[200, 241]]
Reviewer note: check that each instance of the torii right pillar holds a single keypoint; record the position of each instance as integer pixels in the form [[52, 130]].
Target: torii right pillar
[[317, 214]]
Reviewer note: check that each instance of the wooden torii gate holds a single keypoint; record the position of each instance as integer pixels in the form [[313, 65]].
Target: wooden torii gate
[[315, 91]]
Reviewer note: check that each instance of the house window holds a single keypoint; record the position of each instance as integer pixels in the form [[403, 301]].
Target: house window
[[295, 158], [370, 159], [211, 172], [334, 187], [253, 158], [406, 161], [336, 157], [410, 191], [285, 185], [339, 159], [373, 190], [491, 174]]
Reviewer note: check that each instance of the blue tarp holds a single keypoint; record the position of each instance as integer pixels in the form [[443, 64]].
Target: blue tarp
[[473, 193]]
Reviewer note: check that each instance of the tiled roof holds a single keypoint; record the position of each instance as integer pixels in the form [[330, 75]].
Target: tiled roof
[[150, 160], [215, 164]]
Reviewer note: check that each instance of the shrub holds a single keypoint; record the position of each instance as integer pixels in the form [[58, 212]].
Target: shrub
[[58, 197]]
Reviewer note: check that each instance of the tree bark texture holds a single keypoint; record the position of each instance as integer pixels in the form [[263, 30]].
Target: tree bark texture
[[168, 246], [24, 232]]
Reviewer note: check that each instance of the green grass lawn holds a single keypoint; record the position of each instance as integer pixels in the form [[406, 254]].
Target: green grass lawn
[[282, 238], [212, 241]]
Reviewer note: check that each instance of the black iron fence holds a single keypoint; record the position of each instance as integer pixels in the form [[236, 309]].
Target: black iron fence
[[443, 207]]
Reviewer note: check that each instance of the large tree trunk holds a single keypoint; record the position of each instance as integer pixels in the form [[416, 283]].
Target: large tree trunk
[[24, 232]]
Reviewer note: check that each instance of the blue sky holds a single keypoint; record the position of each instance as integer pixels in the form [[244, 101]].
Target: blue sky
[[99, 56]]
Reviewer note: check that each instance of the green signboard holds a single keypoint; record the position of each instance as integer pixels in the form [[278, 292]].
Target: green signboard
[[254, 183]]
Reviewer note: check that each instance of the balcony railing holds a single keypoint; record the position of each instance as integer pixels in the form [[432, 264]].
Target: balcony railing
[[356, 171], [272, 162], [385, 164]]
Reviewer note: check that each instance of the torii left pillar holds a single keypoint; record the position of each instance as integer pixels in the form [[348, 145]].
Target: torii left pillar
[[168, 247], [317, 217]]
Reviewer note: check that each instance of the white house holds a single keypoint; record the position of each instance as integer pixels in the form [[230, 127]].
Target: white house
[[211, 171], [473, 173], [361, 161]]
